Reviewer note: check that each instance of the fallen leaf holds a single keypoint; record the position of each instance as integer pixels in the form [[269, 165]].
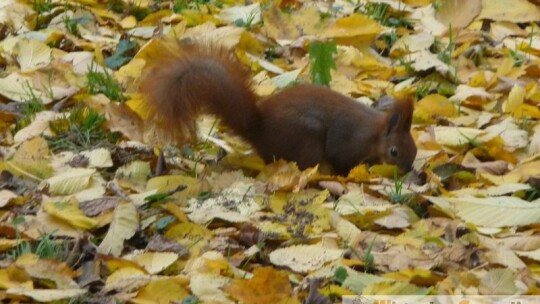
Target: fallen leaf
[[304, 258], [69, 212], [459, 13], [498, 10], [32, 55], [267, 286], [123, 226], [70, 182]]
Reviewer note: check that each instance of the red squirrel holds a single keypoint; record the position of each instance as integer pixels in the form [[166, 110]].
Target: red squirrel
[[307, 124]]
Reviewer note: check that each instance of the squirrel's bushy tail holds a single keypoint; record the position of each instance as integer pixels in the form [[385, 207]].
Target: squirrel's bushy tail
[[186, 80]]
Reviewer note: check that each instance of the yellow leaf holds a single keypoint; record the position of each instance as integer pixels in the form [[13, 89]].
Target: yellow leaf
[[383, 170], [251, 161], [335, 290], [177, 212], [356, 25], [123, 226], [6, 244], [478, 80], [166, 290], [69, 212], [278, 201], [394, 288], [526, 111], [15, 277], [127, 75], [128, 22], [414, 276], [520, 174], [34, 157], [114, 264], [433, 106], [515, 98], [267, 286], [278, 230], [166, 183], [282, 175], [189, 234]]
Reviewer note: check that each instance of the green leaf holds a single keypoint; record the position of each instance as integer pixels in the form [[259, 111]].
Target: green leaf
[[122, 55], [340, 275], [321, 57]]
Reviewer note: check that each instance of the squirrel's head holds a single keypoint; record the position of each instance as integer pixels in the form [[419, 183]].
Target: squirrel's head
[[397, 145]]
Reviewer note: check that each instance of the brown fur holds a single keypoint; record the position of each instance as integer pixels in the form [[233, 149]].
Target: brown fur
[[307, 124]]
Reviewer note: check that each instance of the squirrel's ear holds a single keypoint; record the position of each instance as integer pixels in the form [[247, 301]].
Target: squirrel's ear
[[406, 108], [392, 122], [385, 103]]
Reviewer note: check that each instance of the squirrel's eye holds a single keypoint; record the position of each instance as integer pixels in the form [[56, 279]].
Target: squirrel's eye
[[393, 151]]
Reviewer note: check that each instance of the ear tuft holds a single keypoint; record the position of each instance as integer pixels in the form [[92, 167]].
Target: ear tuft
[[393, 122]]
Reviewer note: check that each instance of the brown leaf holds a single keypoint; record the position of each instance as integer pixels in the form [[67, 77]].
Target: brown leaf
[[267, 286], [98, 205], [160, 243]]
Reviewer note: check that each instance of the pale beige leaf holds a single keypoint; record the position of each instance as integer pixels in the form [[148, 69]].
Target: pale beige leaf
[[357, 201], [47, 295], [498, 281], [412, 43], [235, 204], [133, 175], [514, 136], [82, 62], [457, 136], [463, 92], [427, 22], [503, 189], [519, 11], [533, 254], [126, 278], [225, 36], [98, 158], [20, 88], [123, 226], [425, 60], [248, 14], [48, 269], [399, 217], [32, 55], [304, 258], [153, 262], [70, 182], [208, 287], [39, 126], [458, 13], [6, 196], [491, 211]]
